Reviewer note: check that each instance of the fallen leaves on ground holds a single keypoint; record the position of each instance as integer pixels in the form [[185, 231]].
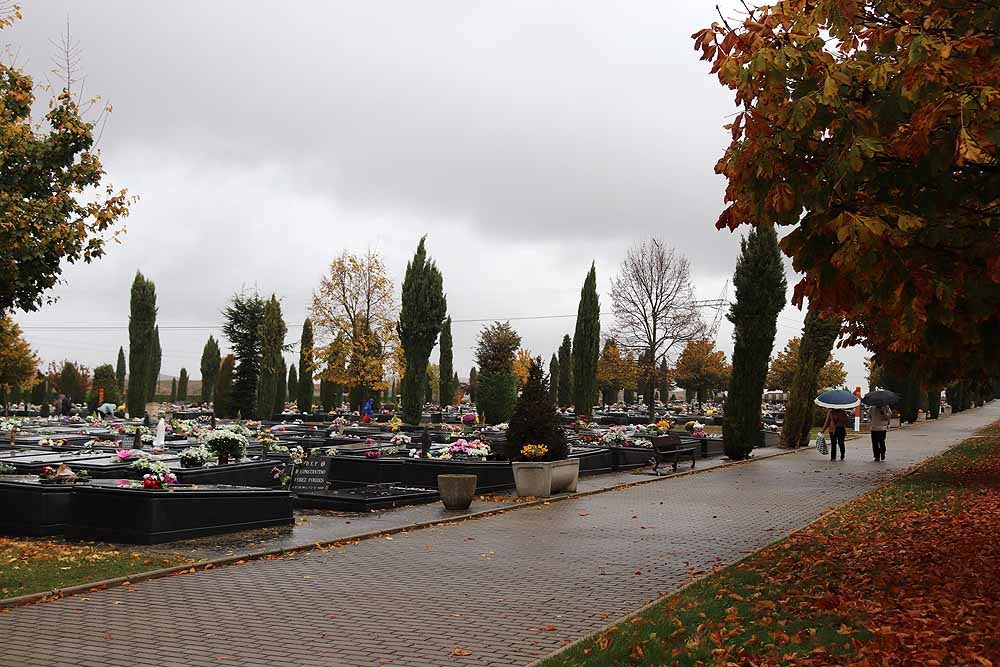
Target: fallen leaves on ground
[[909, 574]]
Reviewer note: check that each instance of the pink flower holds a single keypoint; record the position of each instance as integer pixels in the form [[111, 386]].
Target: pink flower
[[124, 454]]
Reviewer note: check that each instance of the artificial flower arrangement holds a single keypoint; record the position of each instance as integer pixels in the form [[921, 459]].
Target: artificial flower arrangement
[[239, 429], [267, 439], [182, 426], [394, 423], [698, 430], [534, 452], [474, 449], [453, 428], [401, 439], [51, 442], [318, 451], [6, 469], [373, 454], [226, 443], [158, 479], [129, 454], [641, 442], [62, 475], [10, 424], [297, 455], [194, 457], [615, 436], [147, 465], [470, 418], [663, 425], [497, 428]]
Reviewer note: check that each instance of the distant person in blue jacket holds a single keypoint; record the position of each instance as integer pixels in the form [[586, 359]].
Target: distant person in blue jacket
[[367, 410]]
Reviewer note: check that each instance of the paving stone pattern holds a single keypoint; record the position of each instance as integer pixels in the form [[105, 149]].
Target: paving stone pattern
[[494, 587]]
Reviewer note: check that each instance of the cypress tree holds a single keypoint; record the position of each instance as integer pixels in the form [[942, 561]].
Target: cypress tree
[[448, 386], [554, 379], [120, 371], [429, 389], [141, 323], [587, 345], [760, 296], [173, 390], [663, 381], [423, 309], [156, 360], [293, 384], [455, 386], [282, 392], [272, 335], [565, 372], [473, 384], [244, 329], [818, 336], [223, 392], [211, 359], [182, 385], [304, 395]]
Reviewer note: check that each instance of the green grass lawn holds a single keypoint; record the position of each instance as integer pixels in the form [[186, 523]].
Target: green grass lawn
[[33, 566], [856, 583]]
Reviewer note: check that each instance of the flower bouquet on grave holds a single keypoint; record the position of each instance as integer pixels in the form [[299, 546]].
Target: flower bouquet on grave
[[462, 449], [226, 443], [159, 479], [129, 455], [195, 457]]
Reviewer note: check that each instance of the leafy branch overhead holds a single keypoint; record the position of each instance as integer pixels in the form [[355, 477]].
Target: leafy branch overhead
[[871, 130]]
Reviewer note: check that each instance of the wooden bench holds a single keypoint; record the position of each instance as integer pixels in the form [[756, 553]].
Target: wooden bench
[[669, 449]]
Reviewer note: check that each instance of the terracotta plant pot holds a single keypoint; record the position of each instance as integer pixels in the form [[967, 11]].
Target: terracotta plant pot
[[457, 491]]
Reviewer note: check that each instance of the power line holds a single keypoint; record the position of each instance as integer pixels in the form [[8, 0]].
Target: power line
[[714, 304]]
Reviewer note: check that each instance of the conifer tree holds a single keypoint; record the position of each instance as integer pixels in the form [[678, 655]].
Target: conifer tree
[[818, 337], [141, 324], [566, 372], [211, 359], [120, 371], [182, 385], [448, 386], [173, 390], [420, 319], [272, 335], [554, 379], [282, 392], [293, 384], [587, 345], [304, 395], [496, 382], [473, 384], [760, 296], [155, 363], [243, 327], [223, 392], [534, 420]]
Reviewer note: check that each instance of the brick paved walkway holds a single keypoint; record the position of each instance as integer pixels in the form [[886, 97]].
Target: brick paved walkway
[[489, 586]]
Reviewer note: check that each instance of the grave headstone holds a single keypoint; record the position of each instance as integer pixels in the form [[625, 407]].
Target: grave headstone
[[312, 474]]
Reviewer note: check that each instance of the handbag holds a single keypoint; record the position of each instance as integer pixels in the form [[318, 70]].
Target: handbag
[[821, 446]]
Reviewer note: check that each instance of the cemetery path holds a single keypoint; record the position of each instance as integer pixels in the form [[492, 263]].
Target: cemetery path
[[505, 590]]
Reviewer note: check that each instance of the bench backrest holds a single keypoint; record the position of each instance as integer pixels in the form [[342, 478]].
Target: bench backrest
[[666, 443]]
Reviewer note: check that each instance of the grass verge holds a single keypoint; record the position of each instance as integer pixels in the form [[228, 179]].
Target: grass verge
[[34, 566], [908, 574]]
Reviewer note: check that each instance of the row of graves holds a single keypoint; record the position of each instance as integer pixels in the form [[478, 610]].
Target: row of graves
[[134, 482]]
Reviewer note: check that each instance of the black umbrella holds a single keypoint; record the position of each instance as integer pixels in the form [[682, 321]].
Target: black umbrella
[[880, 398]]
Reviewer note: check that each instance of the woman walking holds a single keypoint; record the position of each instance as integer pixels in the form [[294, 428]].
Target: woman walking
[[879, 417], [836, 424]]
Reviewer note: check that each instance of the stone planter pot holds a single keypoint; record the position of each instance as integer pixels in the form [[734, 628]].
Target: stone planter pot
[[457, 491], [543, 478], [772, 438]]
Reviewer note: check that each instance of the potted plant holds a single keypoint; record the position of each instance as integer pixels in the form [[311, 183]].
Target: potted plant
[[537, 442], [195, 457], [226, 443]]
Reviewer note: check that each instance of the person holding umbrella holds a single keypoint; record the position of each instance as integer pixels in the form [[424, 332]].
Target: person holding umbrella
[[879, 415], [837, 401]]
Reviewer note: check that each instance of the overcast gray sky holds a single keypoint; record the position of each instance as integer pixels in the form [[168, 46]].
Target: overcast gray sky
[[525, 139]]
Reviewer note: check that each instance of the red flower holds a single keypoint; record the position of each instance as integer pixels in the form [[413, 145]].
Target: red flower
[[150, 483], [46, 470], [366, 418]]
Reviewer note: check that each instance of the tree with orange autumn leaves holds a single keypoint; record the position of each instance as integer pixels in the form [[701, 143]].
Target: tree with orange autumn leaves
[[870, 130]]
